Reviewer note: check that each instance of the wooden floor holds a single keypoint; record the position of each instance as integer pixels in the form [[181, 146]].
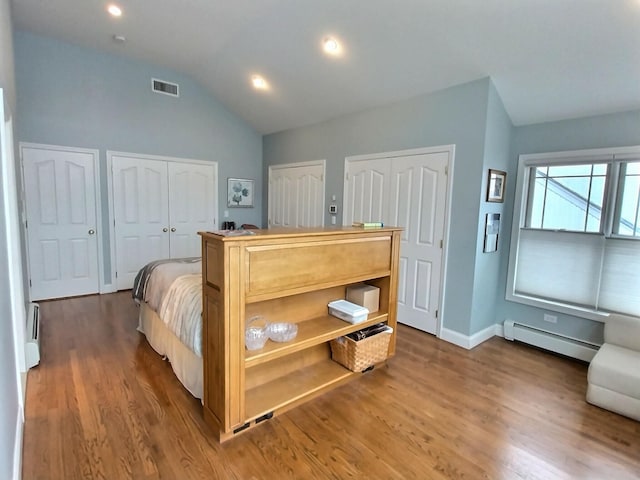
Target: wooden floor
[[103, 405]]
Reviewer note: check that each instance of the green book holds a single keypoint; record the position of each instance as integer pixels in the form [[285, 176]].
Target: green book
[[367, 224]]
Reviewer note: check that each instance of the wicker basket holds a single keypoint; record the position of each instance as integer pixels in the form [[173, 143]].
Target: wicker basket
[[360, 355]]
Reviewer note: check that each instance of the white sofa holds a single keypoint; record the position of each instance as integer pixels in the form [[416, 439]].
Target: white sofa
[[614, 372]]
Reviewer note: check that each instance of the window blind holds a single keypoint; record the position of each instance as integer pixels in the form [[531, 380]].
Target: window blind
[[582, 269], [620, 286], [562, 266]]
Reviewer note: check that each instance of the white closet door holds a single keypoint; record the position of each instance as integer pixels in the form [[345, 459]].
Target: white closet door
[[366, 190], [408, 191], [191, 206], [141, 215], [417, 204], [60, 189], [296, 195]]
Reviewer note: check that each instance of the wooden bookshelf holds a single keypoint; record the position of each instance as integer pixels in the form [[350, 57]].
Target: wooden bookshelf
[[285, 275]]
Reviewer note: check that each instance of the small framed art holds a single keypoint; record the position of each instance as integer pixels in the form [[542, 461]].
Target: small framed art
[[239, 192], [496, 185]]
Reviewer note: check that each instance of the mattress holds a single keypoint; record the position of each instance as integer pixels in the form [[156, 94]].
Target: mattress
[[186, 365], [169, 293]]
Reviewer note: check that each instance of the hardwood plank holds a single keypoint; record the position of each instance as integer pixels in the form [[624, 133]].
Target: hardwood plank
[[103, 404]]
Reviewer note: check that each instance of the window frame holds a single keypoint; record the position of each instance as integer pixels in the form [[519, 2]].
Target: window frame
[[611, 156]]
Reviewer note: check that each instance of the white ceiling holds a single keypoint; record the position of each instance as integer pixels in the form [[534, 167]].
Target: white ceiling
[[549, 59]]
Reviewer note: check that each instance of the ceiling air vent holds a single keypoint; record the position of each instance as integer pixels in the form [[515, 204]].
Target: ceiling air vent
[[168, 88]]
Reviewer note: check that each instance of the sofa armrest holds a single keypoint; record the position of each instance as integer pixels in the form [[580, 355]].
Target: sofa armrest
[[623, 331]]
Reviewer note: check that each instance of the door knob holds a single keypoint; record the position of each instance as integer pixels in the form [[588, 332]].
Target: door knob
[[92, 231], [173, 229], [165, 229]]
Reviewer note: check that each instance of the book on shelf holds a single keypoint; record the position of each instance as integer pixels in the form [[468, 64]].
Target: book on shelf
[[233, 233], [368, 224], [368, 332]]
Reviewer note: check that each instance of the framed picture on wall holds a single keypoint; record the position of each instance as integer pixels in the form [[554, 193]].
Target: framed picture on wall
[[496, 185], [491, 232], [239, 192]]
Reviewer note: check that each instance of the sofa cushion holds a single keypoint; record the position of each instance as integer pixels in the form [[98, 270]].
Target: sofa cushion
[[617, 369], [614, 401], [623, 331]]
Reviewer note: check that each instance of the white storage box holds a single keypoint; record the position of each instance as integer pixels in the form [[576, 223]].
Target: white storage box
[[347, 311]]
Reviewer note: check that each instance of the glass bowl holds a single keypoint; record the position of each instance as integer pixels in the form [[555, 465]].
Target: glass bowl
[[256, 333], [282, 331]]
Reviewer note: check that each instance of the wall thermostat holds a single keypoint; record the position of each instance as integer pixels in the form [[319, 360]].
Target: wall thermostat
[[333, 208]]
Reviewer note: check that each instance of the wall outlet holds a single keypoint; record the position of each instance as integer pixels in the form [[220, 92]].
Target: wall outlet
[[550, 318]]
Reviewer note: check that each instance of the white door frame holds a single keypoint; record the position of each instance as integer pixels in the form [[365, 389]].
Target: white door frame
[[102, 287], [450, 149], [12, 221], [111, 209], [15, 269], [309, 163]]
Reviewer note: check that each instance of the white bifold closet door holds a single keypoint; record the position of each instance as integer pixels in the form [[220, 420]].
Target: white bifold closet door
[[159, 208], [408, 190], [296, 195]]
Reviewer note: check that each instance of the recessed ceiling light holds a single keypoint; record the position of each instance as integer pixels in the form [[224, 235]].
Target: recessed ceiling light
[[259, 83], [331, 46], [114, 10]]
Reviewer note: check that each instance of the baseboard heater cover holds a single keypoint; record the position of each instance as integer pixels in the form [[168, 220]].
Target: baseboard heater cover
[[32, 346], [554, 342]]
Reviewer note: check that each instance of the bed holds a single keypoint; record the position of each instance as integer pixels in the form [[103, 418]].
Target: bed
[[169, 293]]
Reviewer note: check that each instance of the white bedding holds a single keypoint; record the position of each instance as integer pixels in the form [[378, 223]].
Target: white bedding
[[181, 310], [162, 275], [173, 289]]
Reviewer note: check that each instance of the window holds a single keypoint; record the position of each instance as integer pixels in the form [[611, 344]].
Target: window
[[628, 207], [567, 197], [575, 244]]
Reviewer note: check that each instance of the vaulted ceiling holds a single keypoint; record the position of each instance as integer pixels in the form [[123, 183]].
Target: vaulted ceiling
[[549, 59]]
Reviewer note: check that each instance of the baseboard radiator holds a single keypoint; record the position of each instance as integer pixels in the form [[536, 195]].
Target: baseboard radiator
[[32, 347], [554, 342]]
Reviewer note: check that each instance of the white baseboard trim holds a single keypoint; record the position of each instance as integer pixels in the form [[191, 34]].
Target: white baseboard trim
[[23, 379], [474, 340], [17, 448], [454, 337]]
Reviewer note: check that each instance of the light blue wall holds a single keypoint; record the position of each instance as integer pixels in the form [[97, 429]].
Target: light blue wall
[[7, 76], [9, 398], [84, 98], [457, 115], [487, 270], [616, 130]]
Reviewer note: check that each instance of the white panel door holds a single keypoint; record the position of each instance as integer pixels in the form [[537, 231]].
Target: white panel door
[[366, 191], [417, 204], [408, 191], [191, 206], [296, 195], [141, 215], [60, 190]]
